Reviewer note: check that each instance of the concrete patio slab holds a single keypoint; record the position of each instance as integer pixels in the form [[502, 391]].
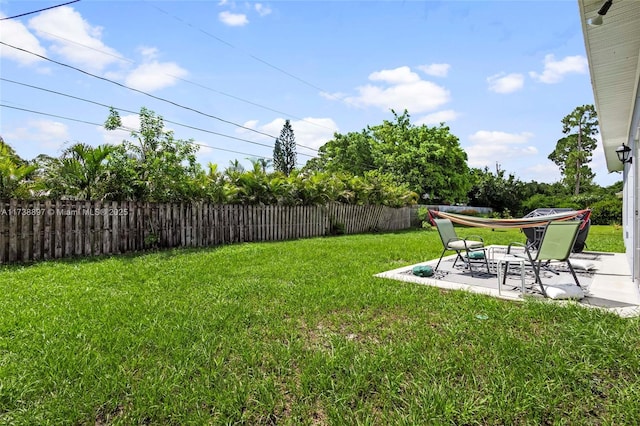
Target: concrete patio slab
[[604, 277]]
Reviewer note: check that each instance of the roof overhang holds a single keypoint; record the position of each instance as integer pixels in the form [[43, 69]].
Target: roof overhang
[[613, 51]]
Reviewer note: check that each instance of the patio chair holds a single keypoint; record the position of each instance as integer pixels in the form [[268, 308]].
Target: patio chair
[[556, 243], [473, 249]]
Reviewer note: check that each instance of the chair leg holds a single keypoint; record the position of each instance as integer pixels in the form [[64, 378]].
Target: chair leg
[[458, 257], [536, 270], [486, 262], [506, 270], [575, 277], [441, 254]]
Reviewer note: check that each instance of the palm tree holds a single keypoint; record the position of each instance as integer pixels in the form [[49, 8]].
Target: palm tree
[[14, 177], [82, 170], [260, 164]]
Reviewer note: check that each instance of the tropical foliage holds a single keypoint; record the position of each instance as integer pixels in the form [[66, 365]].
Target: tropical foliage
[[395, 163], [154, 167], [429, 160], [502, 194], [15, 174], [81, 172]]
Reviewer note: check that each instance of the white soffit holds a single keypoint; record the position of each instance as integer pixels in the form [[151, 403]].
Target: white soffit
[[613, 51]]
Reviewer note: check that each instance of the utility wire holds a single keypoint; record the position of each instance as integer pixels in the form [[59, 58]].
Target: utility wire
[[122, 58], [122, 127], [134, 112], [137, 90], [236, 48], [39, 10], [60, 116], [145, 93], [195, 84], [133, 130]]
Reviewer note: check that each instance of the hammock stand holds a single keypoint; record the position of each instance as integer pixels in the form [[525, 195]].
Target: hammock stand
[[537, 222]]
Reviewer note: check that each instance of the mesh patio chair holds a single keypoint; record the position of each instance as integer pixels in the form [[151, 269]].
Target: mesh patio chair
[[473, 249], [556, 243]]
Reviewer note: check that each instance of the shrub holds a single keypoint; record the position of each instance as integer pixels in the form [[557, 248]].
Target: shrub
[[470, 212], [607, 212], [423, 217]]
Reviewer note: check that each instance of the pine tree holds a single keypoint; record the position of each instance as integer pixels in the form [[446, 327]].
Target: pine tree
[[278, 156], [573, 152], [284, 151]]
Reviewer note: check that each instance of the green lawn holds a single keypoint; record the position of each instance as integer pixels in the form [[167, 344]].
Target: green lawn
[[300, 332]]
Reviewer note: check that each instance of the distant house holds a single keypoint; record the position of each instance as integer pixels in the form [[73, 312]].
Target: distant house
[[613, 51]]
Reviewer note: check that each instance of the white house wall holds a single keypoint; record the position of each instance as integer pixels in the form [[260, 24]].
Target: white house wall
[[631, 213], [613, 52]]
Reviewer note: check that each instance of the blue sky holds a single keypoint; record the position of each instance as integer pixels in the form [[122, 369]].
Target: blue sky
[[500, 74]]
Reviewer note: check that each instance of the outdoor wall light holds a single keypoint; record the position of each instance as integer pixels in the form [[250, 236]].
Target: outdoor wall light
[[603, 11], [624, 154]]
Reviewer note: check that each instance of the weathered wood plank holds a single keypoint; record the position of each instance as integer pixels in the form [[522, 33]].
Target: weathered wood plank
[[26, 229], [13, 230], [4, 231], [58, 215], [68, 228]]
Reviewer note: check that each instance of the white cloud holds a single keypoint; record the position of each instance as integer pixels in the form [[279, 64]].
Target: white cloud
[[401, 89], [47, 134], [333, 96], [310, 132], [496, 137], [148, 52], [505, 83], [152, 74], [436, 70], [130, 122], [155, 75], [437, 118], [252, 124], [313, 133], [491, 146], [16, 34], [262, 9], [74, 38], [401, 75], [204, 150], [233, 19], [543, 172], [554, 71]]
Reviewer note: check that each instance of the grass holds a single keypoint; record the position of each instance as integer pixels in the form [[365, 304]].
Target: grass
[[300, 332]]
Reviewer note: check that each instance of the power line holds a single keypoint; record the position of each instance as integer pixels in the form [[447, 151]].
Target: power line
[[52, 115], [130, 129], [236, 48], [145, 93], [136, 90], [134, 112], [122, 58], [254, 104], [101, 125], [194, 83], [39, 10]]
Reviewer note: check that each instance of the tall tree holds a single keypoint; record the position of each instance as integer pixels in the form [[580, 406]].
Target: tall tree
[[573, 152], [156, 167], [351, 153], [429, 160], [501, 193], [284, 151]]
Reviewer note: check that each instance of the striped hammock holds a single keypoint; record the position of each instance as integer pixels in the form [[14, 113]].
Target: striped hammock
[[525, 222]]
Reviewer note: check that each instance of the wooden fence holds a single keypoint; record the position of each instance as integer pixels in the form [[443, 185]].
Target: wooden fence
[[41, 230]]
